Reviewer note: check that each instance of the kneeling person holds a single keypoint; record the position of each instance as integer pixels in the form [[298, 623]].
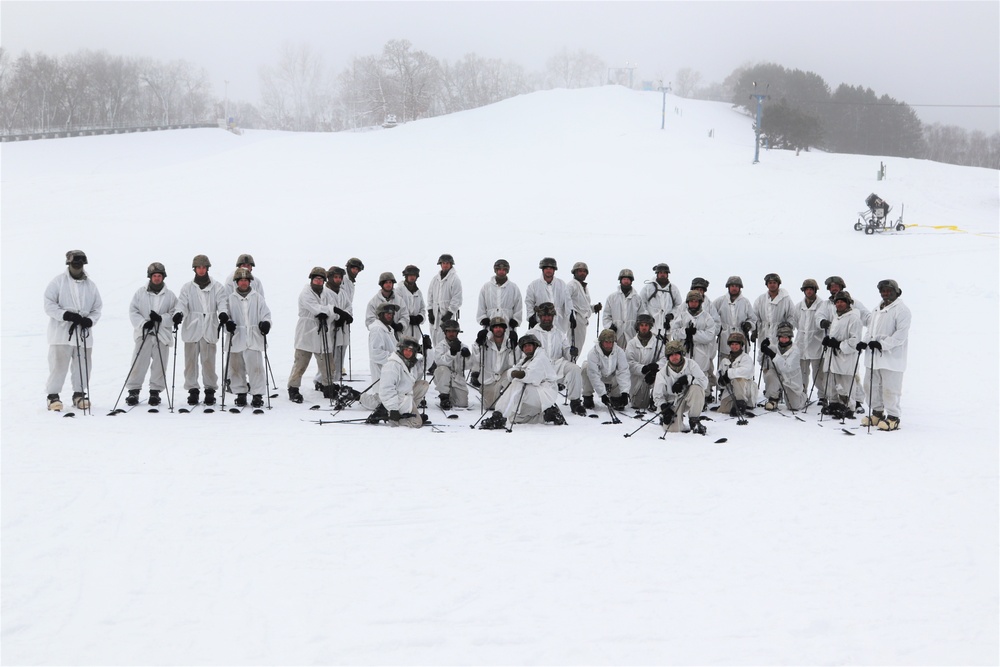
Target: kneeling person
[[606, 372], [680, 389], [736, 377], [784, 371], [450, 358], [399, 390], [532, 396]]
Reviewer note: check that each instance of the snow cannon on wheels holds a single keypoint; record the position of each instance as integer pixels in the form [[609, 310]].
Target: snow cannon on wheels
[[876, 218]]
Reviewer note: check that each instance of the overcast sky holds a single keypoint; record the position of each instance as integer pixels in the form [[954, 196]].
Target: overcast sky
[[923, 53]]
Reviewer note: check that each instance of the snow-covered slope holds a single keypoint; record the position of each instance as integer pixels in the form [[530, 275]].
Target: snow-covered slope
[[269, 539]]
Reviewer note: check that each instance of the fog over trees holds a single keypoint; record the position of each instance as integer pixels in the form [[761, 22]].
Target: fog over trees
[[300, 92]]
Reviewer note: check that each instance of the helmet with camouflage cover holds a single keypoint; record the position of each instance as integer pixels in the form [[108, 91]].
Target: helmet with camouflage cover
[[528, 339], [410, 270], [644, 318], [335, 271], [408, 342], [580, 266], [546, 308], [662, 267], [836, 279], [734, 280], [446, 258], [200, 260], [548, 262], [245, 258], [501, 264], [699, 283], [843, 295], [809, 282], [673, 347], [76, 257], [694, 295], [317, 272], [736, 337], [355, 263], [890, 284], [626, 273], [385, 307], [241, 273], [785, 329], [772, 276], [386, 277], [450, 325], [155, 267], [607, 336], [498, 322]]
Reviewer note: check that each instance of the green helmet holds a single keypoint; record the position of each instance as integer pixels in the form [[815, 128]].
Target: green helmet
[[155, 267], [607, 336], [673, 347]]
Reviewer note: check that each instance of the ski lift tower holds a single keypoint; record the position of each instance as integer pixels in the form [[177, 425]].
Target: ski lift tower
[[617, 75], [664, 89], [760, 113]]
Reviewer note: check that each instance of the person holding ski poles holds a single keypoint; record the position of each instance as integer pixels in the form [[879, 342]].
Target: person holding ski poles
[[248, 325], [621, 308], [73, 304], [444, 297], [200, 305], [580, 308], [313, 333], [679, 389], [152, 312], [492, 356], [451, 358], [644, 354], [888, 339], [787, 371], [841, 365]]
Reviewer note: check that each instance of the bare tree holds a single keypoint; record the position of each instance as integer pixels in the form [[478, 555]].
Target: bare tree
[[686, 81], [575, 70]]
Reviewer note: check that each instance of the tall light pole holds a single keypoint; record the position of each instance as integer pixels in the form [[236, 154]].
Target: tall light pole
[[760, 113], [664, 89], [227, 103]]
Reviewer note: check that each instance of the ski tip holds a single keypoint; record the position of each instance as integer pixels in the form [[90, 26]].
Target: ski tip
[[152, 410], [847, 432], [235, 411], [593, 416], [452, 416], [209, 411], [258, 411], [314, 407], [69, 414], [183, 411], [721, 440]]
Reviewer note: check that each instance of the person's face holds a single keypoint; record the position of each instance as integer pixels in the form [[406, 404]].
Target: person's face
[[662, 276], [387, 286], [841, 306], [581, 275], [644, 329], [445, 266], [389, 315], [676, 357], [317, 280], [888, 294], [772, 286], [693, 304], [354, 271], [243, 284], [547, 273], [498, 331], [833, 288], [546, 320], [735, 347], [451, 334], [201, 271], [810, 293], [501, 271], [156, 278], [337, 279], [607, 345], [408, 352], [784, 340], [411, 279], [734, 290], [528, 349], [626, 282]]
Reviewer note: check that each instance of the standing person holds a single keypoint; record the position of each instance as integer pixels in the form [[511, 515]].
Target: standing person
[[841, 363], [888, 339], [555, 345], [660, 297], [354, 266], [784, 364], [835, 284], [606, 372], [701, 285], [772, 307], [809, 315], [343, 308], [492, 357], [387, 294], [400, 392], [697, 329], [736, 313], [451, 358], [548, 289], [245, 261], [736, 378], [202, 307], [622, 307], [413, 299], [532, 396], [644, 353], [313, 333], [501, 297], [382, 339], [248, 326], [73, 304], [151, 305], [444, 297], [680, 389], [580, 308]]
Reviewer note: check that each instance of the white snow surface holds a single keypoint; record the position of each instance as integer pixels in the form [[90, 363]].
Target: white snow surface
[[265, 539]]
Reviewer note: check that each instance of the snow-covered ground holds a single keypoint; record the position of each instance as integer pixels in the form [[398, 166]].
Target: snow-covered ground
[[220, 538]]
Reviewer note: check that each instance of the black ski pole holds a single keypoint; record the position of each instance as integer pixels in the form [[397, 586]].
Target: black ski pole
[[871, 389], [676, 405], [850, 391], [225, 369], [86, 369], [173, 372], [114, 410], [516, 409], [163, 365], [267, 363], [492, 405], [323, 330], [79, 369]]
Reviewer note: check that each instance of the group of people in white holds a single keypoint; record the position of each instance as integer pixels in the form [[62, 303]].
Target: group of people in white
[[658, 349]]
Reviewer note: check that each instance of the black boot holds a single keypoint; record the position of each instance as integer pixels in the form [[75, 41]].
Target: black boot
[[193, 395], [576, 407], [294, 395], [133, 397], [380, 414], [553, 415], [209, 396], [241, 400], [494, 422], [588, 402], [154, 396], [697, 426], [445, 401], [258, 401]]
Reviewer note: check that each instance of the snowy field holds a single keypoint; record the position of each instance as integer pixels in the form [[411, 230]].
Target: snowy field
[[268, 539]]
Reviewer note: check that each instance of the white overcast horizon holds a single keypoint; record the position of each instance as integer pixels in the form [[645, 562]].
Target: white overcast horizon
[[942, 58]]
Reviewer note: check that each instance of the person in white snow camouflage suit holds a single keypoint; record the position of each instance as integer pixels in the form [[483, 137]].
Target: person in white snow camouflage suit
[[644, 353], [248, 326], [493, 355], [660, 297], [400, 391], [201, 307], [888, 339], [531, 396], [679, 390], [606, 372], [451, 359], [444, 297], [622, 307], [772, 308], [783, 362], [548, 289], [500, 297], [313, 333], [73, 304], [152, 313], [580, 308]]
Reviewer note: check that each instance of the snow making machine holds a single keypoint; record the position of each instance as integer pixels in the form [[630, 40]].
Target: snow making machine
[[876, 218]]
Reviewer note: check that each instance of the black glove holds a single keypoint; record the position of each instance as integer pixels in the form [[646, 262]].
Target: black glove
[[86, 323], [532, 321], [766, 342], [474, 379], [724, 378], [72, 317], [481, 338], [572, 319], [155, 316], [667, 320], [447, 316], [427, 342], [517, 373], [264, 327], [679, 385], [223, 318], [416, 320], [650, 368], [397, 326], [746, 327], [667, 413], [753, 337], [831, 342], [614, 327], [861, 346], [597, 307], [394, 415], [767, 352], [345, 317], [178, 318], [485, 322], [606, 399], [322, 317], [465, 353], [430, 316], [230, 326], [573, 351], [690, 330], [513, 324], [512, 339], [454, 346], [875, 345], [649, 378], [824, 324], [148, 325]]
